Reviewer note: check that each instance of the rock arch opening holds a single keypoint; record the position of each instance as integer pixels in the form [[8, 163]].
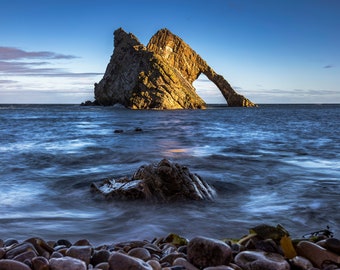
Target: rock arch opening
[[208, 91]]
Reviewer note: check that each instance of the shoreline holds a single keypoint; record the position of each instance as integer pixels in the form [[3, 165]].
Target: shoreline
[[271, 247]]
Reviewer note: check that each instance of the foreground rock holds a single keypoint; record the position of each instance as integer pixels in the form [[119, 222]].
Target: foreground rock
[[174, 252], [162, 182], [250, 260], [157, 76], [204, 252]]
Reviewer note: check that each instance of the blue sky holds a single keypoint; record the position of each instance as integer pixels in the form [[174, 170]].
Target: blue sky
[[279, 51]]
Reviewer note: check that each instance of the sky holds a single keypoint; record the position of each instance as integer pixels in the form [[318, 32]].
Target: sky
[[271, 51]]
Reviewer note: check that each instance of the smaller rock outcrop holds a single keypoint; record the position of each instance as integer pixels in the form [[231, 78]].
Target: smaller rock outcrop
[[161, 182]]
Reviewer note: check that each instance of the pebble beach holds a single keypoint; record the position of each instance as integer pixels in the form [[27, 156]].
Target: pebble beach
[[265, 247]]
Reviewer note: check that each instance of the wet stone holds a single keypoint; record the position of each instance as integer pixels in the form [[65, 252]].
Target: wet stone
[[221, 267], [68, 263], [259, 260], [56, 254], [174, 268], [315, 253], [2, 253], [333, 244], [154, 264], [204, 252], [120, 261], [19, 249], [267, 245], [82, 242], [153, 249], [184, 263], [13, 265], [10, 241], [100, 256], [27, 255], [42, 248], [40, 263], [64, 242], [170, 258], [301, 263], [60, 247], [141, 253], [103, 266], [80, 252]]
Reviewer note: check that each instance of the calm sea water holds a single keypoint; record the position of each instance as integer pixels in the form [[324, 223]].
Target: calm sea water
[[272, 164]]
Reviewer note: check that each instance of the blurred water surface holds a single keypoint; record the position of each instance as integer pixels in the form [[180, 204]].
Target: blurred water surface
[[272, 164]]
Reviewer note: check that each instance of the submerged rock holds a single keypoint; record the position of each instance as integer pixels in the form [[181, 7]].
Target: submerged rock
[[164, 181], [158, 76]]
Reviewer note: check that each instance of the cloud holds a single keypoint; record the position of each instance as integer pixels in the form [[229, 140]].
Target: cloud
[[202, 80], [31, 96], [263, 95], [12, 53], [14, 61], [17, 68], [328, 66], [21, 68], [7, 81], [34, 76], [237, 88]]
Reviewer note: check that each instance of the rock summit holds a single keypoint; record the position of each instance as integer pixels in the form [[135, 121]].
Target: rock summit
[[158, 76]]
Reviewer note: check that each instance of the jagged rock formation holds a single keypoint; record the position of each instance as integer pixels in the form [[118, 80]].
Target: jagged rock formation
[[158, 76], [162, 182]]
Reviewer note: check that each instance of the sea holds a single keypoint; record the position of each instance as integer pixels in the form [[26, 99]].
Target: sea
[[274, 164]]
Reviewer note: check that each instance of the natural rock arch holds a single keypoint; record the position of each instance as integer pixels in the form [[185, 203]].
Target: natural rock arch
[[208, 91], [159, 75]]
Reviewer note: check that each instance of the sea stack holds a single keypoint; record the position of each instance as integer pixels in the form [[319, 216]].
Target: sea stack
[[158, 76]]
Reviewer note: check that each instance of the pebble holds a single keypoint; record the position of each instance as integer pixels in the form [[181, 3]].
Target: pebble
[[9, 242], [80, 252], [253, 260], [141, 253], [154, 264], [120, 261], [183, 262], [13, 265], [204, 252], [40, 263], [316, 254], [301, 263], [333, 244], [18, 249], [168, 253], [103, 266], [221, 267], [68, 263], [27, 255], [100, 256], [2, 253], [64, 242]]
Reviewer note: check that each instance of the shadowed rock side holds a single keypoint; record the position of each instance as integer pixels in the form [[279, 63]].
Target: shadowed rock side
[[157, 76], [162, 182]]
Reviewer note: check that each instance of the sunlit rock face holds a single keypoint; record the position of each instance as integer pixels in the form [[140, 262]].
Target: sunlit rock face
[[158, 76]]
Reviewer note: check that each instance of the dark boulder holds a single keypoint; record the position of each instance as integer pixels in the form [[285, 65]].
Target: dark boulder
[[163, 182]]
